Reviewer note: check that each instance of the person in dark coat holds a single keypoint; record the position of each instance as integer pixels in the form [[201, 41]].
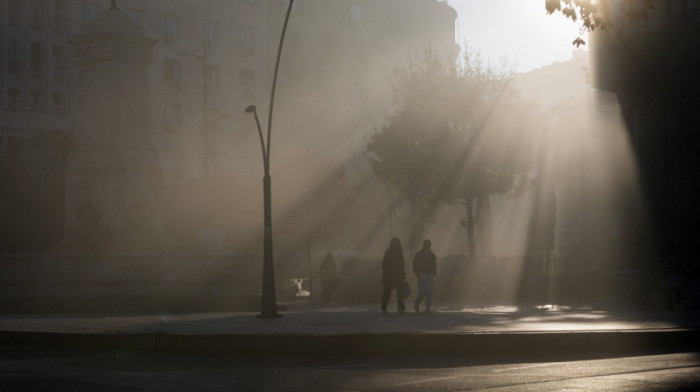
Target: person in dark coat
[[328, 275], [425, 267], [393, 274]]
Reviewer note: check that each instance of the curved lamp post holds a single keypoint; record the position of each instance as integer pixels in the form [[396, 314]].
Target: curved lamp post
[[269, 301]]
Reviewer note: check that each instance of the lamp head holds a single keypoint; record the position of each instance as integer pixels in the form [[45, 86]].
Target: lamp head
[[250, 109]]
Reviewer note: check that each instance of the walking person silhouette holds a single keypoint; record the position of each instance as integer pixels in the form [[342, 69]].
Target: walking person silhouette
[[425, 268], [393, 275]]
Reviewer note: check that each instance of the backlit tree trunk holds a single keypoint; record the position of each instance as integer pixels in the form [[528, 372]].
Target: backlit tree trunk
[[416, 226], [484, 220], [470, 227]]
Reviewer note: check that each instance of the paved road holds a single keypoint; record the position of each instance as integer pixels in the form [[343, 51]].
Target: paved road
[[23, 369]]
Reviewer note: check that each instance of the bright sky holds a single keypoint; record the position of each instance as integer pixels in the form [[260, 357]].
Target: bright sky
[[517, 29]]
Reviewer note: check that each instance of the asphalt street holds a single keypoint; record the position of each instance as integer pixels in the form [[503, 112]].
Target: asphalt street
[[34, 369]]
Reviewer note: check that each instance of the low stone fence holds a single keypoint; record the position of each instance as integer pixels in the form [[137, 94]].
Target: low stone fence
[[128, 282], [498, 281]]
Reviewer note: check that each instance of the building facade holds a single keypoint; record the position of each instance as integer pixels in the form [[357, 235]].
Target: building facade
[[212, 58], [651, 66], [209, 60], [207, 56]]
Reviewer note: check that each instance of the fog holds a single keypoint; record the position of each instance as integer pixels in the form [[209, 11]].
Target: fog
[[326, 196], [525, 183]]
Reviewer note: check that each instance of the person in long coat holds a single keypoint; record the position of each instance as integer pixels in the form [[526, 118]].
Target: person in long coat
[[393, 274]]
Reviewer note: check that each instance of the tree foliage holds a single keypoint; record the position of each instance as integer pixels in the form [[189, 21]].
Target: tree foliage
[[598, 14], [458, 132]]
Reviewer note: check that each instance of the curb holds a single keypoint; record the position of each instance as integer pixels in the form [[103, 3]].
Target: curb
[[463, 344]]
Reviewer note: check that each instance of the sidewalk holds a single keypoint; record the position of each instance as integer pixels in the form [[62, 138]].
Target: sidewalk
[[497, 330]]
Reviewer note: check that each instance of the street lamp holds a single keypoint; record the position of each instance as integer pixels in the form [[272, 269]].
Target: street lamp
[[269, 301]]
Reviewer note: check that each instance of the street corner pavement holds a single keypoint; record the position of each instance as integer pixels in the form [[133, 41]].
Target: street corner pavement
[[362, 328]]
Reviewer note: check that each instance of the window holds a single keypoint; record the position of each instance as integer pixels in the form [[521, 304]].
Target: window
[[210, 31], [57, 58], [355, 12], [57, 54], [246, 38], [13, 57], [59, 7], [171, 70], [35, 14], [172, 27], [692, 8], [135, 13], [291, 45], [58, 104], [356, 96], [90, 11], [12, 51], [13, 11], [13, 99], [214, 117], [34, 101], [173, 114], [211, 75], [675, 12], [35, 59], [246, 77]]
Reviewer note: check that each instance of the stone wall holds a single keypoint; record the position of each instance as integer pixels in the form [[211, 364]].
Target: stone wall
[[128, 282]]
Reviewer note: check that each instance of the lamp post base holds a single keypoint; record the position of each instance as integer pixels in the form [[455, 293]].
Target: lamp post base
[[268, 306]]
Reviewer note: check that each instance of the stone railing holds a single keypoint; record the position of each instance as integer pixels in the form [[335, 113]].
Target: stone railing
[[127, 281]]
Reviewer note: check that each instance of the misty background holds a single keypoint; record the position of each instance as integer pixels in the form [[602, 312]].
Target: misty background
[[569, 182]]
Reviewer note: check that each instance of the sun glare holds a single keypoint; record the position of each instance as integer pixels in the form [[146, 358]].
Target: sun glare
[[518, 30]]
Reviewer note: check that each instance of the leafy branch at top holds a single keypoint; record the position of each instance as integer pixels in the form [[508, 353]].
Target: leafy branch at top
[[598, 14]]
